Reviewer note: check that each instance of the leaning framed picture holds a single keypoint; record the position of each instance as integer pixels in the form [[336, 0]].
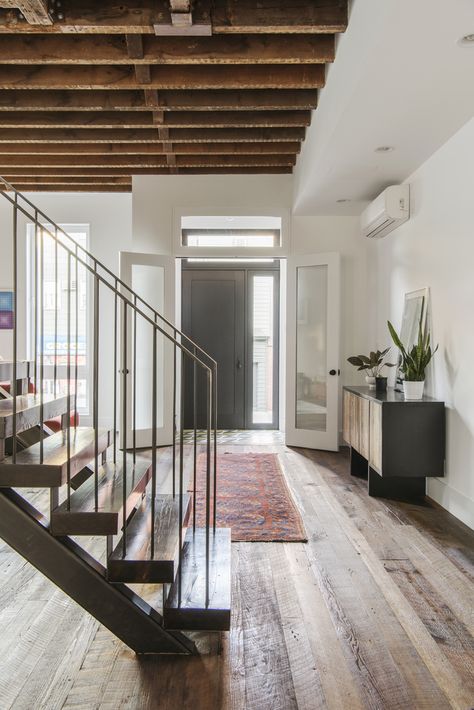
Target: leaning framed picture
[[416, 303]]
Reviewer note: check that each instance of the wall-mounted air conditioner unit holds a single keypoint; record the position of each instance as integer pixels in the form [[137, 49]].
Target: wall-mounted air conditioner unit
[[387, 212]]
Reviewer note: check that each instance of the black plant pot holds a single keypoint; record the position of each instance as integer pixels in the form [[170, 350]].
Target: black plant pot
[[380, 384]]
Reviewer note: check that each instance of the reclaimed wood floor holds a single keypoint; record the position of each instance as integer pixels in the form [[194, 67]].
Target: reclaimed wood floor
[[375, 611]]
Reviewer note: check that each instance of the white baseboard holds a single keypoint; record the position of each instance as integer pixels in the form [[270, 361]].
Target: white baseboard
[[456, 503]]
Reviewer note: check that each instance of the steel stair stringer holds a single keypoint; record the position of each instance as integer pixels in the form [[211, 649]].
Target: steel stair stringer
[[83, 578]]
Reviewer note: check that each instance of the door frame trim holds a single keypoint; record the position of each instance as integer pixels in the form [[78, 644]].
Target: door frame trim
[[246, 267]]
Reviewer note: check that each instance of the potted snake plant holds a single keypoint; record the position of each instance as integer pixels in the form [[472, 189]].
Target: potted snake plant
[[415, 360]]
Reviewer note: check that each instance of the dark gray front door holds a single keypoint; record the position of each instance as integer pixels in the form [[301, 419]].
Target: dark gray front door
[[213, 311]]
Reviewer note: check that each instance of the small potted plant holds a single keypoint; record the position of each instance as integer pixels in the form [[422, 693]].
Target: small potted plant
[[373, 364], [415, 361]]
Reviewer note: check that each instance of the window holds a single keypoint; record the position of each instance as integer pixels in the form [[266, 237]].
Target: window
[[231, 232], [263, 334], [55, 302]]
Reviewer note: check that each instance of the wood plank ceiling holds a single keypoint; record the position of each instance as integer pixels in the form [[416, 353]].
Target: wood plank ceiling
[[92, 93]]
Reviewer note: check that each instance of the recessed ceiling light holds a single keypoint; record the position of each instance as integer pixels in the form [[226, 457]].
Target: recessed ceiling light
[[384, 149], [467, 40], [343, 199]]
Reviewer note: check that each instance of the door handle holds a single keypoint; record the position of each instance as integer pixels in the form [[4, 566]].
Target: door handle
[[333, 372], [121, 372], [238, 364]]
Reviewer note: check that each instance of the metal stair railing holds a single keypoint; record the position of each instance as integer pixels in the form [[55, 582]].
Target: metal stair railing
[[130, 311]]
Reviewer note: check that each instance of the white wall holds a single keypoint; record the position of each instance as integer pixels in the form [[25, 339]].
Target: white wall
[[156, 200], [109, 216], [436, 249]]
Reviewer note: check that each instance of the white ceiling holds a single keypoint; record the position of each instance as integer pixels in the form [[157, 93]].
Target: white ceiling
[[400, 79]]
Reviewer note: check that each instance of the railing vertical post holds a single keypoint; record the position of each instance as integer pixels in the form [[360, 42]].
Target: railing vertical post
[[181, 473], [35, 336], [13, 383], [96, 391], [174, 420], [76, 362], [41, 339], [214, 405], [134, 364], [55, 365], [68, 378], [124, 426], [208, 478], [153, 443], [194, 439], [115, 370]]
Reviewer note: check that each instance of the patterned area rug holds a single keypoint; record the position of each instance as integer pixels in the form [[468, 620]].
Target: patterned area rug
[[252, 498]]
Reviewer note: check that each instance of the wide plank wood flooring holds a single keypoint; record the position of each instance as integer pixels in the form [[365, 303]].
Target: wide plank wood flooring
[[375, 611]]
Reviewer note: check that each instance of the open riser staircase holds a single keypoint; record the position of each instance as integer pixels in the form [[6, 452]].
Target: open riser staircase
[[142, 501]]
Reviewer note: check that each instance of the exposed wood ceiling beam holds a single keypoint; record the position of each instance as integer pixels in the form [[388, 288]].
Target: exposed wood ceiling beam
[[273, 76], [227, 16], [133, 161], [20, 173], [75, 180], [134, 46], [226, 87], [143, 136], [289, 147], [178, 119], [182, 24], [90, 187], [35, 12], [229, 49], [135, 51], [217, 100]]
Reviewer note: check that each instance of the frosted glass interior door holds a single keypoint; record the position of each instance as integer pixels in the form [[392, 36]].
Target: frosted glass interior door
[[313, 327], [152, 277]]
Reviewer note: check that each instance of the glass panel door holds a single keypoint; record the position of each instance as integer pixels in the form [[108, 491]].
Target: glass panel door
[[153, 278], [313, 352], [311, 348]]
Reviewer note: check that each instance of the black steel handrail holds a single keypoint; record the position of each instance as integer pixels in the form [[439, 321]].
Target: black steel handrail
[[131, 303], [98, 263]]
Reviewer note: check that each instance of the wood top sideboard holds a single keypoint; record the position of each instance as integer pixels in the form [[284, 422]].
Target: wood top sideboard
[[398, 443]]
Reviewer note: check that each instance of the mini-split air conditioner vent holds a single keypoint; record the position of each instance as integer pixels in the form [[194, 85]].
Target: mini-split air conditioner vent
[[387, 212]]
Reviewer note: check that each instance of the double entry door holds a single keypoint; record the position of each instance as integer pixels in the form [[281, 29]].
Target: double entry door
[[233, 314]]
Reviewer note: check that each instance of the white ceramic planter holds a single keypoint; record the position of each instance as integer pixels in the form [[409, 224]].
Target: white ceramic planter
[[370, 382], [413, 390]]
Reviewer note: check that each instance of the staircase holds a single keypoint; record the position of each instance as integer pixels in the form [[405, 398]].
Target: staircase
[[98, 482]]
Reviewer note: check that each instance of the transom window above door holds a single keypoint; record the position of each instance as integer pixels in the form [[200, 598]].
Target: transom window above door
[[231, 235]]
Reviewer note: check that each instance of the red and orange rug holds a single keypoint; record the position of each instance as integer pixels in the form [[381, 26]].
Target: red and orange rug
[[253, 499]]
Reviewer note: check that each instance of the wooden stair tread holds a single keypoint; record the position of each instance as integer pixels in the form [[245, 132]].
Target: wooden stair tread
[[28, 410], [82, 517], [140, 563], [190, 613], [28, 471]]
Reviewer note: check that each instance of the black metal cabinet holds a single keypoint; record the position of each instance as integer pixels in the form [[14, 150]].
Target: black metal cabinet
[[395, 442]]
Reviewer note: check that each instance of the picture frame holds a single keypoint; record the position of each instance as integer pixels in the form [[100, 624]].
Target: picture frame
[[415, 303], [6, 309]]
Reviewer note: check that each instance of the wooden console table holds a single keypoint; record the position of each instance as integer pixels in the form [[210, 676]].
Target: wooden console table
[[397, 443]]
